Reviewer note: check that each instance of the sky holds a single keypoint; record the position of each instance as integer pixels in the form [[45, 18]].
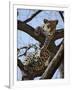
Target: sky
[[24, 39]]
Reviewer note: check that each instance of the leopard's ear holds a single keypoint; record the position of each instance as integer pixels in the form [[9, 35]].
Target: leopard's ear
[[45, 21]]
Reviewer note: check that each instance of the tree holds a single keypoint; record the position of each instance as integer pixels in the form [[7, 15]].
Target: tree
[[59, 50]]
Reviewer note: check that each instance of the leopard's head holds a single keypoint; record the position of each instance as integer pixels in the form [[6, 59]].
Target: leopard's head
[[49, 26]]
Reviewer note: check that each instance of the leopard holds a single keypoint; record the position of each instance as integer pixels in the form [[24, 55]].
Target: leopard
[[35, 65]]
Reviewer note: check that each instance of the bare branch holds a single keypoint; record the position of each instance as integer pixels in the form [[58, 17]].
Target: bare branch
[[29, 19], [22, 48], [20, 65], [59, 34], [60, 12], [31, 31], [24, 54]]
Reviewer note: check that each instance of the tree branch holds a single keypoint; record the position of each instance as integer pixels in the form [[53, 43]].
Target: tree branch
[[20, 65], [59, 34], [31, 31], [54, 64], [29, 19], [24, 54], [60, 12]]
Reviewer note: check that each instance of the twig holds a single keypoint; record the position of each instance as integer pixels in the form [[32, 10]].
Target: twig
[[60, 12], [27, 48]]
